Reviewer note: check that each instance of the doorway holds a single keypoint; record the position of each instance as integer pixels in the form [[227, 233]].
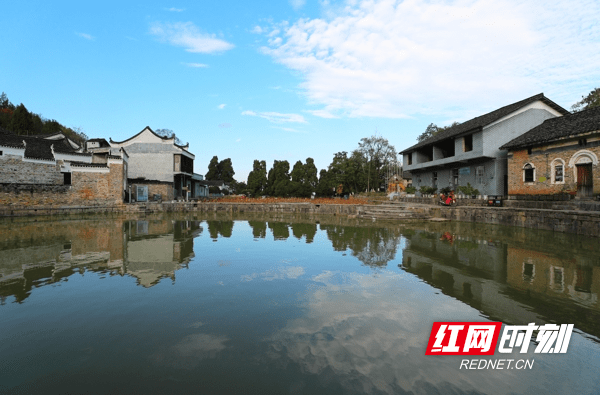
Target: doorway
[[585, 184]]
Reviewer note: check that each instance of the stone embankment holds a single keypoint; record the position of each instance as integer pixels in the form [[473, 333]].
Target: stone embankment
[[581, 218]]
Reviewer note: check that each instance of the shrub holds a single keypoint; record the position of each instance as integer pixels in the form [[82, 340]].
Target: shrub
[[446, 190], [410, 190], [468, 190], [427, 190]]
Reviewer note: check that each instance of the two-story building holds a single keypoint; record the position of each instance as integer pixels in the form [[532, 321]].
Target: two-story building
[[159, 169], [471, 151]]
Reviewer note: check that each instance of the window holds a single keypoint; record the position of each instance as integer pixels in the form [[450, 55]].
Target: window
[[558, 173], [455, 176], [0, 153], [528, 173], [468, 143], [435, 178], [480, 173], [528, 271], [409, 157], [66, 178], [529, 150], [583, 142]]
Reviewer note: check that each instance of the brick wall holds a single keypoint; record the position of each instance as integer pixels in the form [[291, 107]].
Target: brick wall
[[542, 159], [165, 190]]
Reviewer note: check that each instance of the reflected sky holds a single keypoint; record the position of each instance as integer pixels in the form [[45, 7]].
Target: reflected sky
[[283, 305]]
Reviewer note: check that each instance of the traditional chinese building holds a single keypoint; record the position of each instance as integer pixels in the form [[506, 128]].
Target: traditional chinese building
[[560, 156], [472, 153]]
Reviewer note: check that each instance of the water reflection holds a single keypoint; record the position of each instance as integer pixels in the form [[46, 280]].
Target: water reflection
[[148, 250], [288, 304], [508, 281]]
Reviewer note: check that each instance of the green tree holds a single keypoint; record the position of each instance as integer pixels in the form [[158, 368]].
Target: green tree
[[310, 173], [6, 111], [590, 101], [5, 103], [278, 180], [225, 170], [298, 176], [213, 169], [51, 127], [257, 179], [433, 129], [21, 121], [325, 185]]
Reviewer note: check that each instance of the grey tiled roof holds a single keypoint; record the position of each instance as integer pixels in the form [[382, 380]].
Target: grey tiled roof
[[486, 119], [558, 128], [37, 148]]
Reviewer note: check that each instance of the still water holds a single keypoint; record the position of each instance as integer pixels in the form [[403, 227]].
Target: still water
[[285, 305]]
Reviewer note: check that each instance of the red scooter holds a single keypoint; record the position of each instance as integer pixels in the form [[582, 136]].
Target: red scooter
[[449, 200]]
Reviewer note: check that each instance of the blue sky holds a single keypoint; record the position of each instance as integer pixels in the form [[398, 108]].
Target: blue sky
[[291, 79]]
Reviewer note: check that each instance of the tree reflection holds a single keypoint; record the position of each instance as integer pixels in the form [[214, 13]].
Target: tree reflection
[[308, 230], [223, 228], [259, 229], [280, 230], [372, 246]]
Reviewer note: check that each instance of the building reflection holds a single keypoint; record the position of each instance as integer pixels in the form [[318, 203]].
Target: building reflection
[[507, 281], [145, 249]]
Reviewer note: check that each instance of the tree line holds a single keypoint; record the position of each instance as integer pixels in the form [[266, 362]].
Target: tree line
[[364, 169], [24, 123]]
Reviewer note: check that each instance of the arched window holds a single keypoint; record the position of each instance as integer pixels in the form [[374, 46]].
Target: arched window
[[528, 173], [557, 169]]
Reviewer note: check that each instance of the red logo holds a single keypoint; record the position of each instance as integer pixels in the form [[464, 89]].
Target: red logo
[[463, 338]]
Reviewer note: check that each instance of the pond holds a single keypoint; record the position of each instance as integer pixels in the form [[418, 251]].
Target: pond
[[255, 304]]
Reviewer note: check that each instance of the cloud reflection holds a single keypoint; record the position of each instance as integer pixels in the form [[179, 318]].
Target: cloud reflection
[[368, 332], [192, 349], [280, 273]]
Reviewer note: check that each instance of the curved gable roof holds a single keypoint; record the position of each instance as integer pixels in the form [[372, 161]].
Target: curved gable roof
[[147, 128]]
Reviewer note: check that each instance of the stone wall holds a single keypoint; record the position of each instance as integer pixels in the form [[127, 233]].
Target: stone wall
[[89, 187], [577, 222], [542, 159], [15, 170]]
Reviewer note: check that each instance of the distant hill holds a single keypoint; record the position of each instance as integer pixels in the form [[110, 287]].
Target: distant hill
[[21, 122]]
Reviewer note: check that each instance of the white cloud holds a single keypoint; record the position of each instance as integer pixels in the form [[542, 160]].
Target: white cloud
[[221, 106], [291, 130], [277, 117], [86, 36], [323, 114], [256, 30], [297, 4], [196, 65], [188, 36], [238, 140], [173, 9], [395, 59]]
